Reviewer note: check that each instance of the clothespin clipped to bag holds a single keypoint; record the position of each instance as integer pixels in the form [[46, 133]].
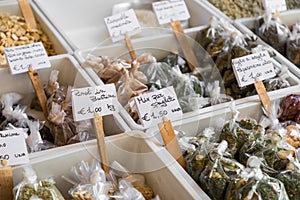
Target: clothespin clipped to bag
[[98, 124], [172, 12], [170, 140], [27, 13], [123, 25], [6, 181]]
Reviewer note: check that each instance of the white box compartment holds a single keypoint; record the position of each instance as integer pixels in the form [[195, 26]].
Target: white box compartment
[[82, 22], [160, 46], [70, 73], [162, 172]]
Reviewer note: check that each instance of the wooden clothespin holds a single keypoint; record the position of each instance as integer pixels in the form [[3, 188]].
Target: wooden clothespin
[[184, 45], [264, 97], [27, 13], [170, 140], [6, 181], [130, 47], [39, 89], [98, 123]]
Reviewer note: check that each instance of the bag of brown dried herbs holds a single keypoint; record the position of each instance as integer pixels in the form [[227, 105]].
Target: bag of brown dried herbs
[[273, 31]]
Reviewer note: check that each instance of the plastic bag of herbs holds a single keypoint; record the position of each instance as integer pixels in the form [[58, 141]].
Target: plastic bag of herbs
[[274, 151], [290, 178], [197, 157], [273, 31], [253, 183], [32, 188], [219, 172], [293, 45], [238, 132]]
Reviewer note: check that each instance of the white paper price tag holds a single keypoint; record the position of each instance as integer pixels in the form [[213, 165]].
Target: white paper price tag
[[254, 67], [166, 11], [275, 5], [13, 147], [20, 58], [87, 101], [152, 107], [121, 24]]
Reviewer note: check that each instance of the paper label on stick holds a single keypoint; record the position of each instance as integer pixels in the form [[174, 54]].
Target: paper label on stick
[[153, 106], [254, 67], [13, 147], [87, 101], [167, 11], [20, 58], [275, 5], [121, 24]]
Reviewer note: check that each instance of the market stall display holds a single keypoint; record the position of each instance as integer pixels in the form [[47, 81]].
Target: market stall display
[[247, 151]]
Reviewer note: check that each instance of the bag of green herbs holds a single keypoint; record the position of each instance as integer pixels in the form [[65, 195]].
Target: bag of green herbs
[[238, 132], [219, 172], [32, 188], [252, 184], [290, 178], [198, 159]]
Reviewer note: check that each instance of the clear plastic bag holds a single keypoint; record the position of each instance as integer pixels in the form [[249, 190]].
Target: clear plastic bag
[[252, 183], [210, 33], [129, 87], [293, 45], [157, 74], [176, 60], [237, 133], [32, 188], [198, 158], [290, 178], [189, 90], [11, 112], [60, 116], [274, 32], [34, 140], [218, 173]]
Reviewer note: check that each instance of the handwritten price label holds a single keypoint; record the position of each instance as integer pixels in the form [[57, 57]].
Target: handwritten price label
[[87, 101], [166, 11], [251, 68], [121, 24], [275, 5], [13, 147], [152, 107], [20, 58]]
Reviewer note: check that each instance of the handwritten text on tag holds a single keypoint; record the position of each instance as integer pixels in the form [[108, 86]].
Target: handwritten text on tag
[[152, 107], [87, 101], [20, 58], [121, 24], [254, 67], [275, 5], [13, 147], [166, 11]]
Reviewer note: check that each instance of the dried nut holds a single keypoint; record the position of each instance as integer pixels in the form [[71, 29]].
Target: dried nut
[[14, 31], [283, 154]]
